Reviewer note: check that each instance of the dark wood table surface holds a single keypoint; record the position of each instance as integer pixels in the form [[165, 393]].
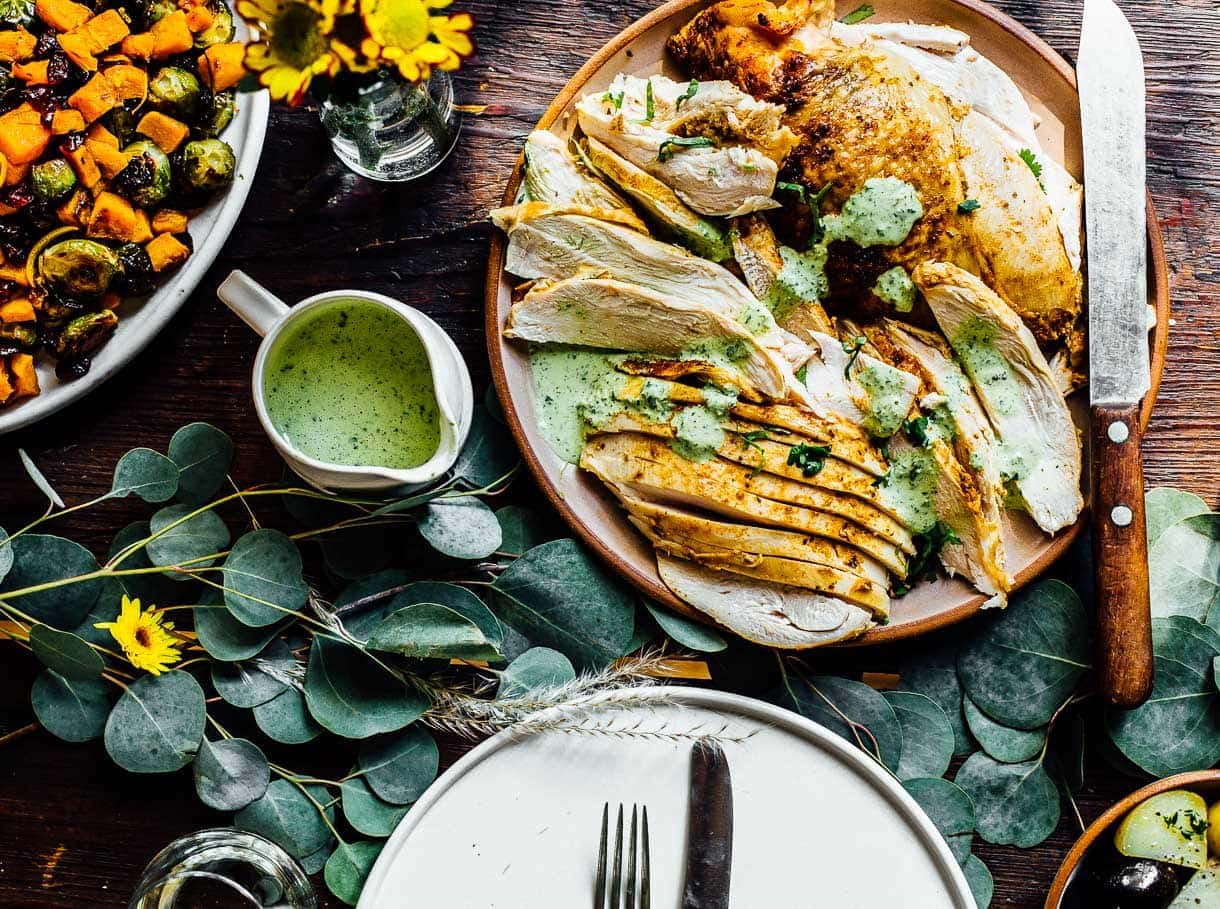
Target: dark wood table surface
[[76, 831]]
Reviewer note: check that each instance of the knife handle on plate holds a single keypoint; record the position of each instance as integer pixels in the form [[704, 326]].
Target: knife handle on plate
[[1120, 553]]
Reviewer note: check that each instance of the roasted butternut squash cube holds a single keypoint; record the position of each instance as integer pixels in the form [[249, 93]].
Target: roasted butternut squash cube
[[95, 98], [75, 211], [67, 121], [167, 132], [76, 46], [25, 378], [14, 273], [6, 383], [168, 221], [18, 309], [32, 73], [140, 46], [199, 18], [113, 217], [222, 66], [87, 171], [99, 133], [62, 15], [130, 82], [110, 161], [23, 138], [17, 44], [105, 30], [171, 35], [166, 251], [17, 173], [142, 232]]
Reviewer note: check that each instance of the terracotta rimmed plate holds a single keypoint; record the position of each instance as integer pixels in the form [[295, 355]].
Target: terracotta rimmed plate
[[1205, 782], [1049, 84]]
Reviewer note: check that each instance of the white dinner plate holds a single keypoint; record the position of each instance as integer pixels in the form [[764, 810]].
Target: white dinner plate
[[514, 824]]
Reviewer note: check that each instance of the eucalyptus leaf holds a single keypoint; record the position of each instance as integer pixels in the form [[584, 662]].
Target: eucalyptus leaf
[[348, 867], [932, 671], [157, 724], [489, 453], [558, 597], [1010, 746], [355, 552], [398, 768], [687, 632], [145, 473], [1178, 728], [927, 737], [6, 554], [1165, 506], [537, 668], [222, 636], [367, 813], [459, 599], [230, 774], [286, 816], [833, 702], [65, 653], [263, 578], [150, 589], [74, 710], [1184, 569], [203, 454], [1027, 663], [348, 694], [244, 684], [185, 537], [39, 480], [286, 719], [316, 861], [361, 620], [432, 631], [978, 876], [521, 529], [461, 528], [45, 559], [948, 807], [1014, 804]]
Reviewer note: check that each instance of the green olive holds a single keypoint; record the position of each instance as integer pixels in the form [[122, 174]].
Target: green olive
[[78, 269]]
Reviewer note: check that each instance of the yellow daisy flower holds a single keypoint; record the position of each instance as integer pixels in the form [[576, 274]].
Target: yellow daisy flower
[[404, 34], [144, 636], [295, 44]]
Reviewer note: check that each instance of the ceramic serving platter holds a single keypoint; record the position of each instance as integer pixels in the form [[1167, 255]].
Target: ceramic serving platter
[[516, 822], [141, 320], [1048, 83]]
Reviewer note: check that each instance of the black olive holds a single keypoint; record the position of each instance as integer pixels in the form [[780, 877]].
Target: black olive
[[1136, 884]]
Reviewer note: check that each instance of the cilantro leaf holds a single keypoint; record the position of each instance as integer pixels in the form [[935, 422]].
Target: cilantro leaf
[[691, 90], [922, 565], [917, 431], [853, 347], [966, 206], [859, 14], [666, 151], [1035, 166], [810, 459]]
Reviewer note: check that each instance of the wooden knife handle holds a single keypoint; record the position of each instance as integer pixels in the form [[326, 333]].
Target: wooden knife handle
[[1120, 552]]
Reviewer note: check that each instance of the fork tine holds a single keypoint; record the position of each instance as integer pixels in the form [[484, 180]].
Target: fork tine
[[645, 867], [599, 887], [631, 855], [616, 873]]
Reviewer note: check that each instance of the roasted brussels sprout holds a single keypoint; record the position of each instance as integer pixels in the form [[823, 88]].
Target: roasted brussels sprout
[[216, 112], [153, 11], [175, 91], [207, 165], [138, 277], [122, 123], [52, 179], [220, 31], [78, 269], [19, 335], [147, 178], [85, 334]]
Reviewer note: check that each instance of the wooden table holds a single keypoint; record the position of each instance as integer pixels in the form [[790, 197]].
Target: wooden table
[[76, 831]]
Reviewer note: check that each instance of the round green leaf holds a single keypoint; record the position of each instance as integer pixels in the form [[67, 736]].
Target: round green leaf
[[222, 636], [461, 528], [244, 684], [1014, 804], [39, 479], [459, 599], [558, 597], [348, 867], [537, 668], [1027, 663], [521, 529], [188, 541], [74, 710], [1178, 728], [316, 861], [157, 724], [1164, 507], [353, 697], [927, 737], [489, 453], [6, 554], [203, 454], [978, 876], [43, 559], [367, 813], [65, 653], [230, 774], [1184, 569], [398, 768], [150, 589], [833, 701], [285, 719], [286, 816], [361, 620], [1010, 746], [432, 631], [146, 473], [949, 808], [686, 632], [932, 671], [263, 578]]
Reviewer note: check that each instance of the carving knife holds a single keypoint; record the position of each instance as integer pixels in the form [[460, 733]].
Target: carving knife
[[1110, 75], [709, 830]]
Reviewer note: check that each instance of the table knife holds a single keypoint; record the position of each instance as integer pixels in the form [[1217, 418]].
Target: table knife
[[1110, 75], [709, 830]]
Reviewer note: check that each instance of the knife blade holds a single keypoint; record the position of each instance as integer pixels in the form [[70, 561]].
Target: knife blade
[[709, 830], [1110, 75]]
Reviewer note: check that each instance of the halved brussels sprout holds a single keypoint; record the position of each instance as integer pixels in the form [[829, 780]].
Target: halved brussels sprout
[[148, 177], [85, 334], [176, 92], [78, 269], [52, 179], [138, 277], [220, 31], [207, 165], [216, 113]]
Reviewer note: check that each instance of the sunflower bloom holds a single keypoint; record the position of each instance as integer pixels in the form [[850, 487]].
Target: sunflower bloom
[[144, 636], [404, 34], [294, 46]]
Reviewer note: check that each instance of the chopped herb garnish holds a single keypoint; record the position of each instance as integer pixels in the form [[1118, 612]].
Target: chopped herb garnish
[[650, 105], [883, 480], [810, 459], [666, 151], [966, 206], [1035, 166], [616, 100], [922, 565], [802, 374], [853, 348], [859, 14], [792, 188], [691, 91], [817, 231], [750, 440], [917, 431]]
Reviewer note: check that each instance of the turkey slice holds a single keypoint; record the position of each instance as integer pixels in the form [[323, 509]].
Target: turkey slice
[[858, 386], [554, 177]]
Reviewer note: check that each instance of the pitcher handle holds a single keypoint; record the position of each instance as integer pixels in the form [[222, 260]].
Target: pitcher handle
[[253, 303]]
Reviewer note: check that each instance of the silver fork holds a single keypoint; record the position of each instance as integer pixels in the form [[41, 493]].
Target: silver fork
[[635, 894]]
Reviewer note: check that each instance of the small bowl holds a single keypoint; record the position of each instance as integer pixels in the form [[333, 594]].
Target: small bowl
[[1205, 782]]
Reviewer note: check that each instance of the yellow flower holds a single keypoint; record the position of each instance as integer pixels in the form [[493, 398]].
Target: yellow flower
[[295, 43], [404, 34], [144, 636]]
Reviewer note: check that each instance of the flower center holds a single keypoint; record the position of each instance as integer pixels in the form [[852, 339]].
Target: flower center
[[142, 637], [295, 36], [398, 23]]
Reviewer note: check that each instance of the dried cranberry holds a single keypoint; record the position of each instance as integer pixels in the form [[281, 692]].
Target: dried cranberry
[[15, 240], [66, 370], [71, 142], [138, 174], [8, 290], [19, 196], [48, 43], [59, 69]]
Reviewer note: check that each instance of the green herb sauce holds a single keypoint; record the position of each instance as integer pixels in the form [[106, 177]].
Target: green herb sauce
[[887, 398], [350, 384], [974, 344], [572, 385], [881, 214], [802, 279], [896, 288], [756, 318], [910, 488], [700, 433]]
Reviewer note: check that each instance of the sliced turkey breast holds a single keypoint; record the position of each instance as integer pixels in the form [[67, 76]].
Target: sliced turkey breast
[[858, 386], [554, 177]]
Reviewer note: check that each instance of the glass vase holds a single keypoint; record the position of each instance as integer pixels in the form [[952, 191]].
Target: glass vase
[[393, 130]]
